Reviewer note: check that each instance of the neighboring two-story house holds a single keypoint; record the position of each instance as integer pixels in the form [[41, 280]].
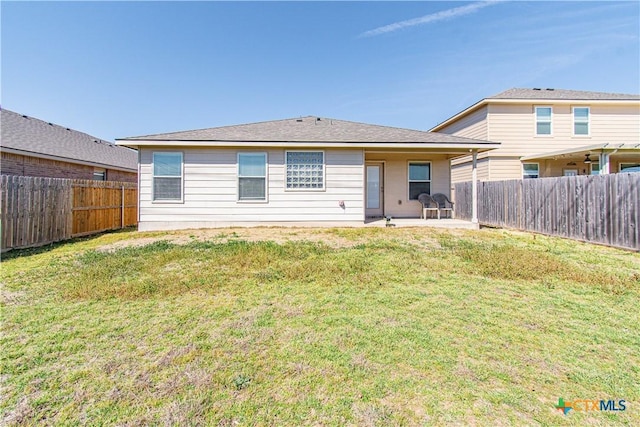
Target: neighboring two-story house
[[33, 147], [547, 133]]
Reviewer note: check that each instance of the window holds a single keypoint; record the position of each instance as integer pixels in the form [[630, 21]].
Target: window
[[99, 175], [581, 120], [543, 120], [629, 167], [530, 170], [419, 179], [167, 176], [252, 176], [305, 170], [595, 168]]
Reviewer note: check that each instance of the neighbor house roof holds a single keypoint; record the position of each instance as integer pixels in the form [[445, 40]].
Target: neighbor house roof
[[551, 94], [29, 136], [309, 130], [525, 95]]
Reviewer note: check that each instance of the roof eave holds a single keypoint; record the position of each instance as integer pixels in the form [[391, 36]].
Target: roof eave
[[68, 160], [459, 146], [459, 115]]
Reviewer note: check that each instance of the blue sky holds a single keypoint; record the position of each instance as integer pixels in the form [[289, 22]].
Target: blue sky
[[117, 69]]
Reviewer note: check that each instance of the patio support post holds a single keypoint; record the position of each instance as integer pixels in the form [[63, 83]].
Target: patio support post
[[474, 188], [604, 164]]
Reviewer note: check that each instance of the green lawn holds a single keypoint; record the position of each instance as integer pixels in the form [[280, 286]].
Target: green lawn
[[319, 327]]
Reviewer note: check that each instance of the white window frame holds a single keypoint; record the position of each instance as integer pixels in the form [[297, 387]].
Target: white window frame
[[153, 176], [266, 178], [324, 171], [530, 163], [620, 165], [588, 121], [409, 181], [536, 121], [591, 167]]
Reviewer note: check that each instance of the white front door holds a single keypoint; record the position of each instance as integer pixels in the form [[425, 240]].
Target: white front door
[[570, 172], [374, 197]]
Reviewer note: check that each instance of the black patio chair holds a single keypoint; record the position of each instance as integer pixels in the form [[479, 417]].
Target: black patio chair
[[444, 204], [428, 204]]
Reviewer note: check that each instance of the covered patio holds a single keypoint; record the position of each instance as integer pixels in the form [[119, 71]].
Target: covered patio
[[597, 159], [394, 178]]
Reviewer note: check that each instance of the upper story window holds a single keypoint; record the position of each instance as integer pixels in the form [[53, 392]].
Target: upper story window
[[543, 120], [305, 170], [419, 179], [581, 120], [167, 176], [530, 170], [252, 176]]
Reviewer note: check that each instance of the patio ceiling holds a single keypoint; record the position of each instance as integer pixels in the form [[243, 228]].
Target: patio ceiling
[[624, 149]]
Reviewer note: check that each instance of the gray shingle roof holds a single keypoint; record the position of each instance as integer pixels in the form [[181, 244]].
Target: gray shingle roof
[[308, 129], [31, 135], [542, 93]]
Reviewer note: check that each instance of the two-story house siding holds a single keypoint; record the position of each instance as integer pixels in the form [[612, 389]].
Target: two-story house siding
[[547, 132]]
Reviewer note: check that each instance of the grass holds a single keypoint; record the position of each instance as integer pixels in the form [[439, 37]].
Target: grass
[[322, 327]]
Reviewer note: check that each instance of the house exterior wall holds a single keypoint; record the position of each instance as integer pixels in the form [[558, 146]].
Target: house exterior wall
[[17, 164], [513, 125], [473, 125], [210, 186], [461, 169], [396, 180], [501, 168]]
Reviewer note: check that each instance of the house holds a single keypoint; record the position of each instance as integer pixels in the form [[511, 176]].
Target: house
[[299, 170], [549, 132], [32, 147]]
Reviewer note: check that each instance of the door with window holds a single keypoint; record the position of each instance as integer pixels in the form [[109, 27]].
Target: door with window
[[374, 197]]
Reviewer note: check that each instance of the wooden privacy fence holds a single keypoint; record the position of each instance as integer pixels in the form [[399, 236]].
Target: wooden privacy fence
[[37, 211], [599, 208]]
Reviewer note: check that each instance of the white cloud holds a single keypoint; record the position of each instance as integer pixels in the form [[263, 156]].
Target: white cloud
[[434, 17]]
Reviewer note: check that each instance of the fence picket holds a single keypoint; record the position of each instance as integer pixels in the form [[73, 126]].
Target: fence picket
[[600, 208], [36, 211]]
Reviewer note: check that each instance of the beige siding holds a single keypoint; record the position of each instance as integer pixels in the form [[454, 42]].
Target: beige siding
[[461, 169], [513, 125], [460, 173], [210, 191], [501, 168], [396, 180], [473, 125], [615, 124]]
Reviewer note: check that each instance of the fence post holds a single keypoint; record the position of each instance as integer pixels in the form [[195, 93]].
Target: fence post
[[474, 188], [122, 224]]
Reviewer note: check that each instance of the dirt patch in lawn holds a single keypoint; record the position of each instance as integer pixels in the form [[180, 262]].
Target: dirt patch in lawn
[[333, 237]]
